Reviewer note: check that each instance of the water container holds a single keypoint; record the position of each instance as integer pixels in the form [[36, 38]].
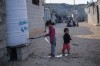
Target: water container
[[17, 23]]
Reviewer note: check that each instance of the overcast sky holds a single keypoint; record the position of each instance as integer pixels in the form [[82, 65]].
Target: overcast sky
[[68, 1]]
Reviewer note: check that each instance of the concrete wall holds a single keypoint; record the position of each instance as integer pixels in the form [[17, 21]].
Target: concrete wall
[[98, 2], [92, 15], [36, 18], [3, 51]]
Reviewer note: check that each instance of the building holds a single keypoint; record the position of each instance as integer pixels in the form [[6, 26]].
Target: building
[[93, 13], [47, 14], [36, 17], [19, 21], [53, 19]]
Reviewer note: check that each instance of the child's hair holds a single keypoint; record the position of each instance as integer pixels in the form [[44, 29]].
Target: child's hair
[[66, 29], [49, 23]]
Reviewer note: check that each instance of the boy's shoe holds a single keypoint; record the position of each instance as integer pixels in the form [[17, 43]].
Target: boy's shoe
[[63, 54], [68, 53]]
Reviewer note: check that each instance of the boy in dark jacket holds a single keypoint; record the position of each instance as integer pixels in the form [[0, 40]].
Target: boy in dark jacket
[[66, 39]]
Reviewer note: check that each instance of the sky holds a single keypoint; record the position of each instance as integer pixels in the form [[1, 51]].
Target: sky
[[68, 1]]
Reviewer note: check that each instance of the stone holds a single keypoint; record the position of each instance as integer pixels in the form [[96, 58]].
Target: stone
[[2, 44], [23, 52], [3, 52], [22, 56], [0, 19], [2, 33], [3, 49]]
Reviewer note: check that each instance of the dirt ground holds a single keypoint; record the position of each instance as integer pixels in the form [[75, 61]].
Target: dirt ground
[[85, 48]]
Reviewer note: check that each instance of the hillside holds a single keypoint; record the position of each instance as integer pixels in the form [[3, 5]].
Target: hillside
[[66, 9]]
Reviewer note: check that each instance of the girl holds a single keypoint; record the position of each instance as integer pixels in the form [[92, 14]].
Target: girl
[[51, 34]]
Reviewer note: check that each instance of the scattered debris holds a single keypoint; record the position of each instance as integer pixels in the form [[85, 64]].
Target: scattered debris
[[75, 44]]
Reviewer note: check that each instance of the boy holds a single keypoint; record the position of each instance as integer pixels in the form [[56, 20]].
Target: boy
[[66, 39], [51, 34]]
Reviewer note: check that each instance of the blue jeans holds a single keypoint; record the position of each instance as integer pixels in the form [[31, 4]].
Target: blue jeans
[[53, 45]]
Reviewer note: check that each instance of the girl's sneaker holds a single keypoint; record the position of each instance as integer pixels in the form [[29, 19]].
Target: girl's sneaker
[[51, 55]]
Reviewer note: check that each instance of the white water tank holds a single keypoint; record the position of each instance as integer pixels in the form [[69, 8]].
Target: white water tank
[[17, 23]]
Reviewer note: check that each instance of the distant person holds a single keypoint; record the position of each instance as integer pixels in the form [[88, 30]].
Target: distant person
[[68, 23], [74, 23], [71, 23], [77, 24], [52, 36], [66, 39]]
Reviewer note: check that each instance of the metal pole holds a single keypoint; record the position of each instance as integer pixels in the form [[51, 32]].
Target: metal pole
[[50, 9], [45, 14], [92, 1], [74, 3]]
